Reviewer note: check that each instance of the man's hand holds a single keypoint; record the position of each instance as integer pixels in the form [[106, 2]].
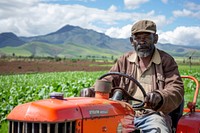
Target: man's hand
[[87, 92], [153, 100]]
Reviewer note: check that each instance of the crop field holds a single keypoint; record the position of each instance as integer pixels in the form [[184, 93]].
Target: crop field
[[21, 88]]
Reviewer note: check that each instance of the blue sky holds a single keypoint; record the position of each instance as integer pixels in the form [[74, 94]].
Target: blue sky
[[178, 21]]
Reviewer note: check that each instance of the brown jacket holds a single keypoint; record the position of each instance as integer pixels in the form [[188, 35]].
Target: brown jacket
[[165, 79]]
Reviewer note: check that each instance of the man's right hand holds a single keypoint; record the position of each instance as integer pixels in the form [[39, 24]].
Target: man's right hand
[[87, 92]]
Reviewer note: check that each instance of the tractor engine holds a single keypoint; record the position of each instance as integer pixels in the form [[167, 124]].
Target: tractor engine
[[73, 115]]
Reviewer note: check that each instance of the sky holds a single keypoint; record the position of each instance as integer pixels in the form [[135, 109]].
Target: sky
[[178, 21]]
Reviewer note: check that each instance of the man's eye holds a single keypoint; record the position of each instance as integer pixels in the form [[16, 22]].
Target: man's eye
[[137, 38]]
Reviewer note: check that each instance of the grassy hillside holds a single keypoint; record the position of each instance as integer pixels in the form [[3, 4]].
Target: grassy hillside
[[61, 50], [71, 50], [16, 50]]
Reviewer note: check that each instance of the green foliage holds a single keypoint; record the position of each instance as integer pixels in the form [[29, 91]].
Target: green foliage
[[189, 85], [19, 89], [4, 127]]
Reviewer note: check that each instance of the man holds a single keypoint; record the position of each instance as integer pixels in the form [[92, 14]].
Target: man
[[157, 72]]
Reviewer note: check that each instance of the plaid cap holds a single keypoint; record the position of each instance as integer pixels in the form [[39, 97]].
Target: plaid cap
[[144, 26]]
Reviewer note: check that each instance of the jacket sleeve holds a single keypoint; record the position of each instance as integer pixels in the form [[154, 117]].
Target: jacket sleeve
[[173, 89]]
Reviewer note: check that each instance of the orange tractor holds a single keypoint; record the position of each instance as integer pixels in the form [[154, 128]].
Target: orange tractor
[[100, 114]]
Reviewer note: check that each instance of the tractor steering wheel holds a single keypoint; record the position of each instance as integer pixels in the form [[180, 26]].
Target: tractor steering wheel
[[123, 92]]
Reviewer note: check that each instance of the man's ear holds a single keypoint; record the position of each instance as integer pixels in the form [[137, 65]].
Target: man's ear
[[155, 38], [131, 39]]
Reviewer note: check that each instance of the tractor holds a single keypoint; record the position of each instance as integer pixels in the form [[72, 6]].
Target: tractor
[[104, 113]]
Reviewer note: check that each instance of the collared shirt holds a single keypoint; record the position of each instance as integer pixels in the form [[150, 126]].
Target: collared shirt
[[145, 78]]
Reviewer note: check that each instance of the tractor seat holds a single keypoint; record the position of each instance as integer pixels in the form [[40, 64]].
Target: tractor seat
[[176, 115]]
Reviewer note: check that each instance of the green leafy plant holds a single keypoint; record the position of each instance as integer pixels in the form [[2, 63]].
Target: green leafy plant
[[19, 89]]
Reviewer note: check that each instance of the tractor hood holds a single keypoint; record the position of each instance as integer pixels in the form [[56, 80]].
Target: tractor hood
[[56, 110]]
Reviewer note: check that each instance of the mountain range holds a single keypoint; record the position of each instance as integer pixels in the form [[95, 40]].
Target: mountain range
[[73, 41]]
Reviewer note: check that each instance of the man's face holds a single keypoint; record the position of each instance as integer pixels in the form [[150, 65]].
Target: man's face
[[144, 44]]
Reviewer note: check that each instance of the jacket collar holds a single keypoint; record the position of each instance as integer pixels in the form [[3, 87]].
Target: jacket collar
[[155, 59]]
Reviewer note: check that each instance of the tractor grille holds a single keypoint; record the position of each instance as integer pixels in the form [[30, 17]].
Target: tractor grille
[[28, 127]]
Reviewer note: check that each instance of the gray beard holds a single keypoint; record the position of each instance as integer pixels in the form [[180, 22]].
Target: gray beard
[[145, 53]]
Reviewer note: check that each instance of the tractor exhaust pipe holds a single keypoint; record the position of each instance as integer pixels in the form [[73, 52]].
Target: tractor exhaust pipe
[[102, 89]]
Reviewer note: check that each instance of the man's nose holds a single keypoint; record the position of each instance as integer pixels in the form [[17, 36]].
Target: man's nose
[[141, 42]]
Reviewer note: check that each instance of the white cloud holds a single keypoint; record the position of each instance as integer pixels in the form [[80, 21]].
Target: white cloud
[[125, 31], [112, 8], [186, 13], [17, 2], [117, 32], [67, 0], [132, 4], [164, 1], [191, 10], [42, 18], [192, 6], [181, 36]]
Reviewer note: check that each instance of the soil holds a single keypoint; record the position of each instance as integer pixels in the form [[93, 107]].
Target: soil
[[39, 66]]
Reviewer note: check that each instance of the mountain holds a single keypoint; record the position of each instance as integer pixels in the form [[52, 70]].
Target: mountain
[[179, 50], [84, 37], [73, 41], [10, 39]]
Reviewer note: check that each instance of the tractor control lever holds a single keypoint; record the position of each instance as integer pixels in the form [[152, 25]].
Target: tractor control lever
[[118, 95], [121, 94]]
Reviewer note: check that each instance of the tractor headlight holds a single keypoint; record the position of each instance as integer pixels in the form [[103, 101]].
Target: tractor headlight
[[119, 128]]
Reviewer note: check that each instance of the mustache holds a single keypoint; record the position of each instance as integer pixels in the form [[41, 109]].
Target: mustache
[[143, 46]]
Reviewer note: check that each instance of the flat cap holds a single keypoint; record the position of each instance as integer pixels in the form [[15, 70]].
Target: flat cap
[[143, 26]]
